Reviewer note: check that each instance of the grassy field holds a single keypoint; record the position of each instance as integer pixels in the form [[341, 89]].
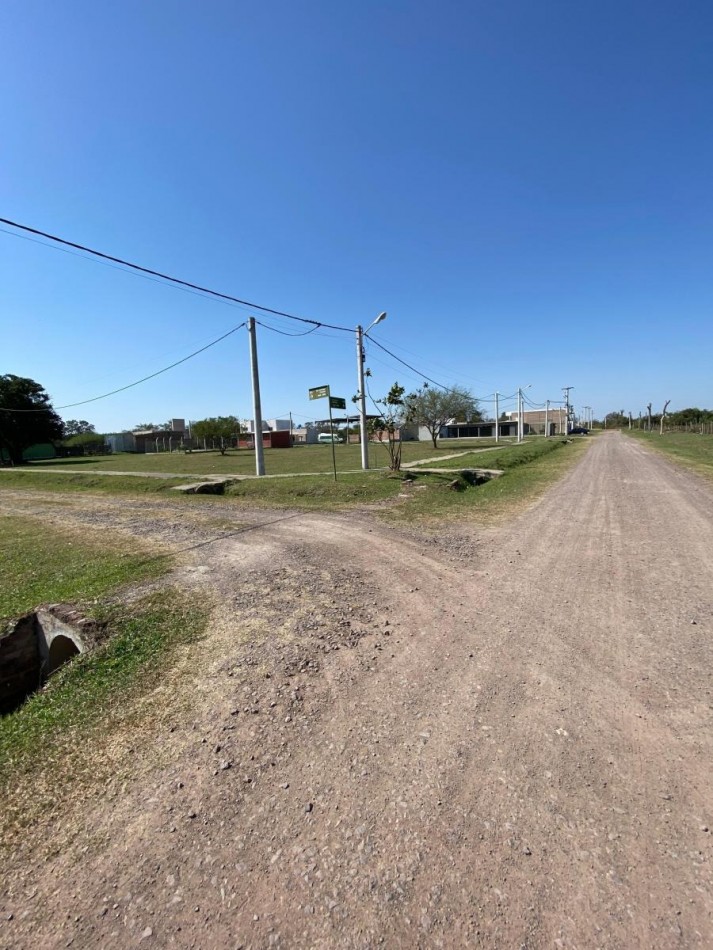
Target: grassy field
[[689, 448], [502, 457], [39, 563], [526, 478], [422, 496], [58, 735], [301, 459], [50, 479], [419, 494]]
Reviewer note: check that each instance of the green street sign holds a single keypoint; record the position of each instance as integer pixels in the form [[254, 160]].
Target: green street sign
[[336, 403], [319, 392]]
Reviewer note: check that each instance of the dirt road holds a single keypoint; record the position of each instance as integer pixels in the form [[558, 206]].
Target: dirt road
[[497, 739]]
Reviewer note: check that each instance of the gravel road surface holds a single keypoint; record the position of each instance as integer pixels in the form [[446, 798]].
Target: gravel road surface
[[497, 738]]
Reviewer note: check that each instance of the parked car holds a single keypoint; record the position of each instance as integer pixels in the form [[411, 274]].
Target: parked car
[[328, 438], [578, 430]]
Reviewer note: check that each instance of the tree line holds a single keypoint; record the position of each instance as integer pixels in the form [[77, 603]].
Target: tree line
[[28, 418], [648, 419]]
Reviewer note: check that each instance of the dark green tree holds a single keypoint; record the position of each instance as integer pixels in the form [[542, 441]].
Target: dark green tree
[[77, 427], [26, 417], [221, 429]]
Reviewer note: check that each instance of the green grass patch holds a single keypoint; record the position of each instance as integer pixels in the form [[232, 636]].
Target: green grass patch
[[41, 563], [420, 493], [317, 492], [54, 741], [72, 736], [503, 457], [691, 449], [50, 480], [526, 478], [301, 459]]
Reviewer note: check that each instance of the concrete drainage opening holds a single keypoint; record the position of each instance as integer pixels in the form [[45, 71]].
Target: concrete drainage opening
[[61, 651], [38, 644]]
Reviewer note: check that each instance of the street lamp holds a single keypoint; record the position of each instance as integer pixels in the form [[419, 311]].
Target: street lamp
[[361, 393], [520, 412]]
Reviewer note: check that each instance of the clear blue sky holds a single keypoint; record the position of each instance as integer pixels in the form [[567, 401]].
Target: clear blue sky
[[524, 186]]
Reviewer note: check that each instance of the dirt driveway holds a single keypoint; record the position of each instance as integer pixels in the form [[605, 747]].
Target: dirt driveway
[[496, 739]]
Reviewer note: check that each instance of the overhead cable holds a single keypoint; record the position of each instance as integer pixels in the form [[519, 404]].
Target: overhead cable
[[284, 332], [174, 280], [413, 369], [145, 379]]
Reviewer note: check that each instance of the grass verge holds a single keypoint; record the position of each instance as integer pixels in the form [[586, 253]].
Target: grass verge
[[503, 457], [316, 492], [62, 741], [48, 479], [40, 563], [79, 731], [691, 449], [526, 478], [529, 470]]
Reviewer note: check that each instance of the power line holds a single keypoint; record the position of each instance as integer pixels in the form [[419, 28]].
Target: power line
[[284, 332], [439, 367], [145, 379], [174, 280], [448, 389]]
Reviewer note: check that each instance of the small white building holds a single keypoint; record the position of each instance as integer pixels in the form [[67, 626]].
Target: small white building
[[271, 425]]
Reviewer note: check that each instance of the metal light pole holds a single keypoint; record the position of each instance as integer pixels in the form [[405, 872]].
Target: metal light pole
[[361, 394], [497, 430]]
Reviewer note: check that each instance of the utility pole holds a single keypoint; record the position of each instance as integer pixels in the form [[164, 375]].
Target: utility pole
[[565, 390], [257, 408], [497, 429], [520, 427], [362, 398], [547, 419], [648, 411]]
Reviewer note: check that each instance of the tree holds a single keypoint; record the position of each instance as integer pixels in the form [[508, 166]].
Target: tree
[[150, 427], [77, 427], [389, 422], [26, 417], [663, 415], [222, 429], [433, 408], [616, 420]]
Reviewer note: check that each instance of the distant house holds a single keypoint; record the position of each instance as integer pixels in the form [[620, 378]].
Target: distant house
[[271, 425], [150, 440], [470, 430], [533, 421], [305, 435]]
